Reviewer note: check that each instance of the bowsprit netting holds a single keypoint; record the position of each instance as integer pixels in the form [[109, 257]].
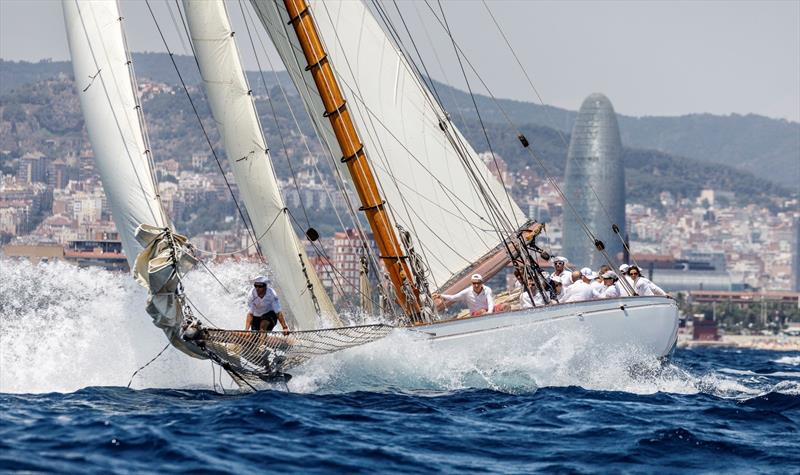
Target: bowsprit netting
[[264, 355]]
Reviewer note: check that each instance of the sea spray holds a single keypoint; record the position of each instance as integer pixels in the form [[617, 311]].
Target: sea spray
[[63, 328]]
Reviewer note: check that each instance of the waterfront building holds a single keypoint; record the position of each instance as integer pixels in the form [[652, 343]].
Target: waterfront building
[[595, 184]]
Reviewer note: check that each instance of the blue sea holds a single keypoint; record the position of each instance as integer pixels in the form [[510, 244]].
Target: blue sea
[[69, 346]]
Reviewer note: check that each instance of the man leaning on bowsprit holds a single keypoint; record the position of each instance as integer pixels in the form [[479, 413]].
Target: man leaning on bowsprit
[[264, 308]]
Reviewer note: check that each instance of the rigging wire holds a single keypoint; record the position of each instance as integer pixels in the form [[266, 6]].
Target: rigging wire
[[249, 227], [552, 181], [551, 121], [274, 116], [314, 114], [169, 344], [302, 135], [475, 105], [461, 149], [118, 124]]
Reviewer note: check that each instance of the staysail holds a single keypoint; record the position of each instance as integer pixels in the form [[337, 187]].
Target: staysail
[[106, 91], [233, 109], [427, 184]]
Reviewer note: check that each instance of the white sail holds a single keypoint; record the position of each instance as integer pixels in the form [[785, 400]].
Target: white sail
[[421, 175], [234, 112], [106, 91]]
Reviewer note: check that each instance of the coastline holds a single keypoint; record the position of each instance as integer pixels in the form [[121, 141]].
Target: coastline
[[752, 342]]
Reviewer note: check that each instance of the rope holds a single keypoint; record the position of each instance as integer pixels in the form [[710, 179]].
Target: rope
[[148, 363]]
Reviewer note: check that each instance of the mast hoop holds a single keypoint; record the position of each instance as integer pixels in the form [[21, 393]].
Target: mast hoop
[[372, 207], [360, 151], [339, 109]]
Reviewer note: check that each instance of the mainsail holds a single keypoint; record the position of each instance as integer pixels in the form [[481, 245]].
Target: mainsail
[[427, 171], [234, 112], [106, 91]]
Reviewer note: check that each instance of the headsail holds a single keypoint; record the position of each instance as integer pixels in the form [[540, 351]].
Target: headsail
[[422, 175], [106, 92], [234, 112]]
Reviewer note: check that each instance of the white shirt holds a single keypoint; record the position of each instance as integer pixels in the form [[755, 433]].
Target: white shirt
[[259, 306], [598, 288], [611, 291], [565, 277], [475, 302], [643, 286], [578, 292], [525, 299]]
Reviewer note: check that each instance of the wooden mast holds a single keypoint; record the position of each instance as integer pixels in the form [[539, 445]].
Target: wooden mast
[[352, 152]]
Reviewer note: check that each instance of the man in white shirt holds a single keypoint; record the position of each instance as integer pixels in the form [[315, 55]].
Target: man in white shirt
[[561, 272], [264, 308], [580, 290], [597, 284], [611, 288], [479, 298]]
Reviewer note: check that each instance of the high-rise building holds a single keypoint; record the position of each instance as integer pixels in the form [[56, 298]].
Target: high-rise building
[[796, 255], [595, 185], [32, 168]]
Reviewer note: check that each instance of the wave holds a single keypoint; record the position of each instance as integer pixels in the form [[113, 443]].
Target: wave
[[65, 328]]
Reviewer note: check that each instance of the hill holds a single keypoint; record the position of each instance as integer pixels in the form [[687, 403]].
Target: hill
[[768, 148], [42, 111]]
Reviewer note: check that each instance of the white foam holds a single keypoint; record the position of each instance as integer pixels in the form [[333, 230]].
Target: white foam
[[64, 328], [789, 360]]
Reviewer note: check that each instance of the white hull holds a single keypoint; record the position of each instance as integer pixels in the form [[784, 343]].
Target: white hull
[[645, 325]]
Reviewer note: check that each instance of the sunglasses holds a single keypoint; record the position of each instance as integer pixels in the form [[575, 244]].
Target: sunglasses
[[259, 286]]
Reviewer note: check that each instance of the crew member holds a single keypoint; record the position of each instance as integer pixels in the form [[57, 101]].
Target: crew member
[[642, 285], [479, 297], [580, 290], [611, 287], [561, 272], [264, 308]]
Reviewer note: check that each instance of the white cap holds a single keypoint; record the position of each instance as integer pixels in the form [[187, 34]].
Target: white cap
[[610, 275], [262, 279], [477, 278], [560, 259], [623, 269], [588, 273]]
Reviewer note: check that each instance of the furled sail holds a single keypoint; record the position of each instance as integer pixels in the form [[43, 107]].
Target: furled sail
[[106, 91], [426, 183], [233, 109]]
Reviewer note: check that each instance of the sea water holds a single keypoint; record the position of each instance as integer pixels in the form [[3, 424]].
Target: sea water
[[71, 339]]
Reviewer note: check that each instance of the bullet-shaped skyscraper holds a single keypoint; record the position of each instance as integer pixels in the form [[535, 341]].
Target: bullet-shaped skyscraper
[[595, 179]]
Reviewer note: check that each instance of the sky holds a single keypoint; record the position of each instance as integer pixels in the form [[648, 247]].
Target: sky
[[651, 58]]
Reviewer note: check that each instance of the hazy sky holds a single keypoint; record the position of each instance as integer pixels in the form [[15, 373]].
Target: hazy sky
[[649, 58]]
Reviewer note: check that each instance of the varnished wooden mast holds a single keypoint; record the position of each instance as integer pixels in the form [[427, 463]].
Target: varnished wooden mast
[[352, 151]]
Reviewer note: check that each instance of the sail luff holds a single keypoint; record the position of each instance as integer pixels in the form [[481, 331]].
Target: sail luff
[[107, 97], [429, 172], [233, 109]]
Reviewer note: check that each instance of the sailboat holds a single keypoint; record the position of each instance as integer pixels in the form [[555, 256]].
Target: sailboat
[[435, 210]]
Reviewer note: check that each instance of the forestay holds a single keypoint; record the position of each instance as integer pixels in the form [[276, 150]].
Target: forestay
[[234, 112], [106, 91], [422, 176]]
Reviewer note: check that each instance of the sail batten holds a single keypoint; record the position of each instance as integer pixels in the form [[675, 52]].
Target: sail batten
[[234, 112], [400, 124]]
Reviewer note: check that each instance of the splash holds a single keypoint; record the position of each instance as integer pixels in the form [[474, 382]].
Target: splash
[[64, 328]]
